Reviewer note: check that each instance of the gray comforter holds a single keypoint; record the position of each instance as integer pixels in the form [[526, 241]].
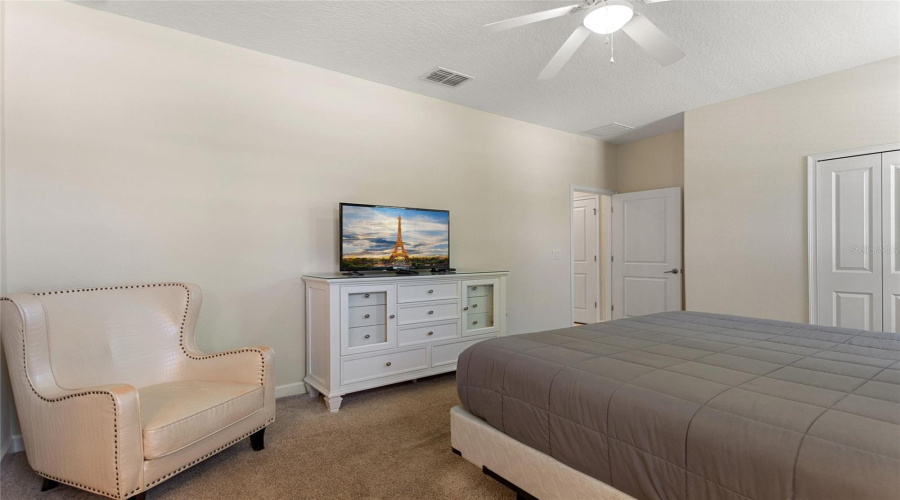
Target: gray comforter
[[695, 406]]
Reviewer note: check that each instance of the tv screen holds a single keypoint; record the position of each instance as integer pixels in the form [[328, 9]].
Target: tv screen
[[379, 238]]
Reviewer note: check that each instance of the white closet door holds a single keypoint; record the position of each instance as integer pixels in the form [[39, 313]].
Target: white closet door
[[849, 233], [891, 230]]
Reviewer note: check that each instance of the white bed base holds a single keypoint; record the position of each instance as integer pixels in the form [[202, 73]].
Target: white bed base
[[531, 471]]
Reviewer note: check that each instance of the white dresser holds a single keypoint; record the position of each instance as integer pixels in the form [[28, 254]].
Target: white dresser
[[378, 330]]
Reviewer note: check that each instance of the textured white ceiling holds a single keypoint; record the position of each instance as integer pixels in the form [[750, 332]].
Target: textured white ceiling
[[734, 48]]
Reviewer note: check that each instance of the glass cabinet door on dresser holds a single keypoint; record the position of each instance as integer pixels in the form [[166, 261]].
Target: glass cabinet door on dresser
[[481, 306], [369, 321]]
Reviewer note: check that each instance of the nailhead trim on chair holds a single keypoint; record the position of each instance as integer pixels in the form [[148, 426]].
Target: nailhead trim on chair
[[115, 419], [204, 457], [187, 307]]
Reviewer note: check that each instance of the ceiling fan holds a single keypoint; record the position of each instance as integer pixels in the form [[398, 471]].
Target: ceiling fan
[[604, 17]]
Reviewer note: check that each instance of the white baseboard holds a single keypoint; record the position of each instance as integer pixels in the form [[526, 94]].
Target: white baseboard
[[283, 391], [12, 445]]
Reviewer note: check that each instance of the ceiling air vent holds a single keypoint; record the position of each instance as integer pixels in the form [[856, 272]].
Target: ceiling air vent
[[610, 130], [447, 77]]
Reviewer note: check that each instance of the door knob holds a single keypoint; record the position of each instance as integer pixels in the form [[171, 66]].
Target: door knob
[[673, 271]]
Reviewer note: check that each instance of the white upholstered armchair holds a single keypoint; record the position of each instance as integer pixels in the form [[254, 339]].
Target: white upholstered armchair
[[113, 395]]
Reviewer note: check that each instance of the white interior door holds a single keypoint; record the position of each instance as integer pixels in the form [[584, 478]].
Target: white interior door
[[890, 179], [586, 260], [646, 259], [849, 247]]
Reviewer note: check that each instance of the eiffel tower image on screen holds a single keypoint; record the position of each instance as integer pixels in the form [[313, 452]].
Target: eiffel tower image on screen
[[399, 257]]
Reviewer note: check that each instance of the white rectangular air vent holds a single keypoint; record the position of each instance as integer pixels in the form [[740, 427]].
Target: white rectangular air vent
[[446, 77], [610, 130]]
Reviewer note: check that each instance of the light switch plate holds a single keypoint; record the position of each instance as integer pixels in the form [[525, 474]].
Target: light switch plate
[[557, 254]]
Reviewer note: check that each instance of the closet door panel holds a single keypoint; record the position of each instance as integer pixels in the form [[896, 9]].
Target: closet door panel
[[891, 231], [849, 233]]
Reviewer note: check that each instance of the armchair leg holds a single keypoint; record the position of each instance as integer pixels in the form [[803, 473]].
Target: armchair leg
[[49, 484], [257, 440]]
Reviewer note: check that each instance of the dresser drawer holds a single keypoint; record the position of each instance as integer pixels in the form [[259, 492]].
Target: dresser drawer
[[480, 304], [476, 321], [366, 335], [427, 291], [478, 290], [365, 316], [383, 365], [367, 299], [428, 312], [429, 333], [448, 353]]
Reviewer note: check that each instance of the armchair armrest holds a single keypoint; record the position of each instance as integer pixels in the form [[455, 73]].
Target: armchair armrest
[[89, 438], [248, 365]]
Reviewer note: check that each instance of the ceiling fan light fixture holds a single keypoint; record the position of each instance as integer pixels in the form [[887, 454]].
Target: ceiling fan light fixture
[[609, 17]]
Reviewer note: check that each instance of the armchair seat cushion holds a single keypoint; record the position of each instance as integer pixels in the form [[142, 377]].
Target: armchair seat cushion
[[177, 414]]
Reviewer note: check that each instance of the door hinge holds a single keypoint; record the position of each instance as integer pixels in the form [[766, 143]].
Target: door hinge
[[612, 308], [612, 258], [595, 211], [595, 305], [595, 258]]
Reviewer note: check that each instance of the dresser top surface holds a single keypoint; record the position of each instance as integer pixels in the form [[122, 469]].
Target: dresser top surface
[[388, 275]]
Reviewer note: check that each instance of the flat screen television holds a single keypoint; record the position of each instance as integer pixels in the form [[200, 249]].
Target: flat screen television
[[375, 237]]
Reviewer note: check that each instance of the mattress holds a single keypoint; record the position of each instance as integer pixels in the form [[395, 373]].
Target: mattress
[[695, 406]]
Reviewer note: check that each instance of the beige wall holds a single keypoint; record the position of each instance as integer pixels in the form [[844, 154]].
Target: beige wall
[[745, 184], [137, 153], [7, 419], [653, 163]]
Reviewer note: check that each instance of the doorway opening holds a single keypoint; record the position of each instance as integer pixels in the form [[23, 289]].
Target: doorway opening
[[625, 253], [590, 273]]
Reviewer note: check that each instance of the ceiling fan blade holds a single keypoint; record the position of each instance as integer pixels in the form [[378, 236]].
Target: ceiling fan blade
[[565, 53], [533, 18], [653, 40]]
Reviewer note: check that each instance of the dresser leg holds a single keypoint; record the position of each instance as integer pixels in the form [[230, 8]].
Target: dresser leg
[[333, 403], [312, 391]]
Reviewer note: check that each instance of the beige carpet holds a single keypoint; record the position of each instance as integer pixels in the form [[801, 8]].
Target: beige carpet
[[392, 442]]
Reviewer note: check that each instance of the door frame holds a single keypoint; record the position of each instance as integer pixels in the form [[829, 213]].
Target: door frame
[[605, 221], [811, 160]]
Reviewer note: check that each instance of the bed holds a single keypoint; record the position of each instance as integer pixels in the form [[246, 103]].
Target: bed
[[685, 405]]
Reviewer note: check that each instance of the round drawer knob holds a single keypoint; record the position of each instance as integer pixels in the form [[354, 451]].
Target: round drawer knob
[[367, 336], [392, 316], [387, 364], [366, 316], [430, 312], [474, 288], [430, 333], [474, 306], [430, 291], [367, 295], [475, 322], [466, 308]]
